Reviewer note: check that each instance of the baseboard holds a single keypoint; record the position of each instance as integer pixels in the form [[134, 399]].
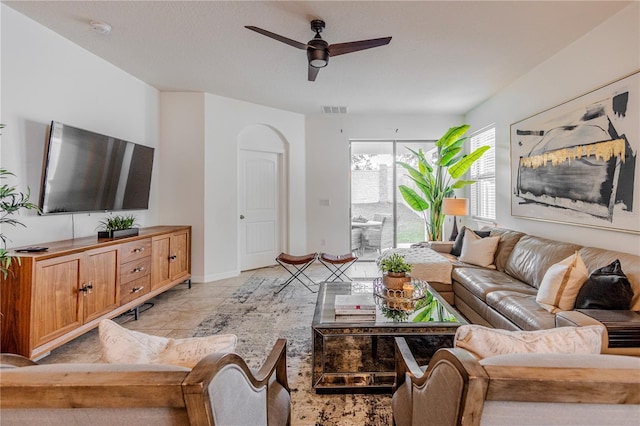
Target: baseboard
[[214, 277]]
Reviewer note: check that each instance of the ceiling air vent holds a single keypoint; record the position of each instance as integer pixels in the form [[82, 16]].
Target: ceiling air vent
[[334, 109]]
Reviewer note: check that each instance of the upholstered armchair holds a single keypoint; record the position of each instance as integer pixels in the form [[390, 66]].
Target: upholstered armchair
[[457, 388], [236, 395], [219, 390]]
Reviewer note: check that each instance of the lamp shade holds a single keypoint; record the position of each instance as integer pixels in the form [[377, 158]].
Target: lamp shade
[[455, 206]]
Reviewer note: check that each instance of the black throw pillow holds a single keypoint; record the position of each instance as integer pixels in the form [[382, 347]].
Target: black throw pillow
[[456, 250], [606, 288]]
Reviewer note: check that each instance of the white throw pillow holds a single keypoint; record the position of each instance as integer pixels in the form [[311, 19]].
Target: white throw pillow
[[124, 346], [478, 251], [484, 342], [561, 284]]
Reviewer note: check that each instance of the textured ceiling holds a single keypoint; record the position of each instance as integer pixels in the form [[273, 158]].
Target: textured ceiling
[[445, 56]]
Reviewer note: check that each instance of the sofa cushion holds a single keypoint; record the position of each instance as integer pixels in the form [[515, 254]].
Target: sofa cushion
[[596, 258], [456, 250], [486, 342], [508, 240], [561, 284], [606, 288], [521, 309], [124, 346], [599, 361], [477, 250], [480, 282], [532, 256]]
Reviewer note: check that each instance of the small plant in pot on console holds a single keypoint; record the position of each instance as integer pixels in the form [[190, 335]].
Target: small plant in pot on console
[[118, 226], [395, 270]]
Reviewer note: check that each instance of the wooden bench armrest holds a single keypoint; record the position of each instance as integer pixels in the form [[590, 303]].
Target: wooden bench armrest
[[16, 360]]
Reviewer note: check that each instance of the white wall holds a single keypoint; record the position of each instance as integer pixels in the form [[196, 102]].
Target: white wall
[[328, 166], [204, 159], [45, 77], [181, 169], [609, 52]]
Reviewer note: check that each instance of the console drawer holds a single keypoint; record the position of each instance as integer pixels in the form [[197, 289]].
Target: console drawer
[[134, 289], [135, 250], [135, 269]]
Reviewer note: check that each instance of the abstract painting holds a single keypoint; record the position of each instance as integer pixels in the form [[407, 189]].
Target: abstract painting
[[576, 162]]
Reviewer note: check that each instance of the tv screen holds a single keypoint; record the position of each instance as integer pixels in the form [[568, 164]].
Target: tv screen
[[86, 171]]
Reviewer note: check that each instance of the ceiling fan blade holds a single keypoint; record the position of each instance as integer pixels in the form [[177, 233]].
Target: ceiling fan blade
[[313, 73], [354, 46], [275, 36]]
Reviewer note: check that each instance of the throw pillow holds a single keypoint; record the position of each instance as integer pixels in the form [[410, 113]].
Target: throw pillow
[[484, 342], [124, 346], [478, 251], [606, 288], [561, 284], [456, 250]]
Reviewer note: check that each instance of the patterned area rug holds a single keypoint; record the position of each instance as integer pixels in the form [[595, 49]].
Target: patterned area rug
[[258, 317]]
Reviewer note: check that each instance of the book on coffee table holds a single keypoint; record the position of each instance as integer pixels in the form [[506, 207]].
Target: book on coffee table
[[355, 304], [355, 318]]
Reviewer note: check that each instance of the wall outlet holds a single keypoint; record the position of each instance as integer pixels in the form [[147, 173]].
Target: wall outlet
[[323, 242]]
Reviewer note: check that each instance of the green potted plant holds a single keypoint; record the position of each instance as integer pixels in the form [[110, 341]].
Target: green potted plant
[[118, 226], [394, 269], [438, 181], [11, 201]]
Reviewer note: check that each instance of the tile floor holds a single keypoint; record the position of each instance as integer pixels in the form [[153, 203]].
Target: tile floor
[[176, 312]]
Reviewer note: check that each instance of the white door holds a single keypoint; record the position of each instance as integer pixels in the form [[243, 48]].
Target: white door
[[259, 209]]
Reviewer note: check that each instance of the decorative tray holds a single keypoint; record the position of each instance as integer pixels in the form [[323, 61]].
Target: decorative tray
[[418, 292]]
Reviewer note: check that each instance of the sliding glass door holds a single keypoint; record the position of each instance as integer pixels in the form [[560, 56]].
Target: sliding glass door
[[380, 219]]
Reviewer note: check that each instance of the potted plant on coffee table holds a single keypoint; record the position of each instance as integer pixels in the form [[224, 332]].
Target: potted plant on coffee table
[[395, 270], [118, 226]]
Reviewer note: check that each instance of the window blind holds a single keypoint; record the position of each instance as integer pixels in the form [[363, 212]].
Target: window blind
[[483, 171]]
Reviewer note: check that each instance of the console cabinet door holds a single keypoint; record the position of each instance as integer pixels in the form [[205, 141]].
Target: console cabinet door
[[179, 255], [170, 258], [160, 247], [100, 286], [58, 308]]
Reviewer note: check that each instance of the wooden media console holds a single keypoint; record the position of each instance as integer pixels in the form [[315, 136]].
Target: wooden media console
[[51, 297]]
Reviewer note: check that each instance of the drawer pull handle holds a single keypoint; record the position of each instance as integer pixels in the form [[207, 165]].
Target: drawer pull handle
[[137, 289], [138, 269], [173, 257], [138, 250]]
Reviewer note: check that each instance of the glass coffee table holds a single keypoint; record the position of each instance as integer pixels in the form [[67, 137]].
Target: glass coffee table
[[358, 356]]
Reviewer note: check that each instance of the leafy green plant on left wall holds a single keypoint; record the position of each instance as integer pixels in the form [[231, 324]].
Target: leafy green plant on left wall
[[11, 202]]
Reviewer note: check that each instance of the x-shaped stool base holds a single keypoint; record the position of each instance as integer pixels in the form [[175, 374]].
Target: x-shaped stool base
[[296, 265], [337, 265]]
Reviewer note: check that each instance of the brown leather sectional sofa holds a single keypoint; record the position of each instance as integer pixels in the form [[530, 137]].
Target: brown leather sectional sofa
[[505, 297]]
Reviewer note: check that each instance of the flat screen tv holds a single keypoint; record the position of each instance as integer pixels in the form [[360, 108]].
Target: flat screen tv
[[87, 172]]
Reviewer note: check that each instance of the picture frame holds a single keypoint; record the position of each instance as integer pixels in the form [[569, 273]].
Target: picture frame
[[576, 163]]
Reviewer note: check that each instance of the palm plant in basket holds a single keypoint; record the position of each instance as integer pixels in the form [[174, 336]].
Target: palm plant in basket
[[439, 180]]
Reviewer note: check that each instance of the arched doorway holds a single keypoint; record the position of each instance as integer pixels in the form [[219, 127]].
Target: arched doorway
[[262, 195]]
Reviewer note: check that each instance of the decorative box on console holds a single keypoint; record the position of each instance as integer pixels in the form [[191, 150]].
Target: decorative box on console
[[120, 233]]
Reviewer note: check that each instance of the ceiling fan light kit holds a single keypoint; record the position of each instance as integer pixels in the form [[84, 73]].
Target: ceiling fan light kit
[[318, 50]]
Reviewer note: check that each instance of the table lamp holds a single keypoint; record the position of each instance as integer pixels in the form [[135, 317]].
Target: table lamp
[[455, 207]]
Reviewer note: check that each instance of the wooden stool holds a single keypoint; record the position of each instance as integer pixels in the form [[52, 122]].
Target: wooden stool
[[295, 265], [337, 265]]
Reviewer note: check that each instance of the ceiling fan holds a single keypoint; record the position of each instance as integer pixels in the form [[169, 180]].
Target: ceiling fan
[[318, 50]]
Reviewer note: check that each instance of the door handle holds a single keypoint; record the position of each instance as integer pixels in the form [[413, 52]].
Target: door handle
[[241, 216]]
